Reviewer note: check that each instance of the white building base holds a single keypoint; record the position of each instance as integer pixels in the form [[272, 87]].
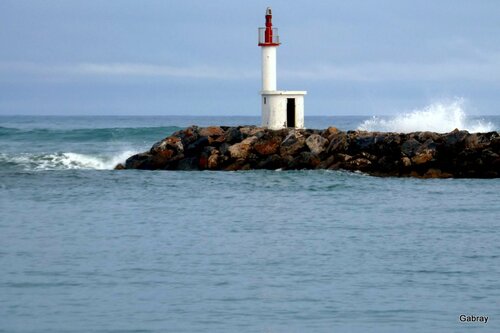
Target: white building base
[[282, 109]]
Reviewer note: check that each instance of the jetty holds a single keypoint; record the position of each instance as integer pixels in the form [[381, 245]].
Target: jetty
[[457, 154]]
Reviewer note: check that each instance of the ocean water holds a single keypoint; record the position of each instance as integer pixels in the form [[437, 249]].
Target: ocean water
[[84, 248]]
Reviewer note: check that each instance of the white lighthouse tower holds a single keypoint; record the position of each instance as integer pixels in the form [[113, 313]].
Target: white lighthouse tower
[[280, 108]]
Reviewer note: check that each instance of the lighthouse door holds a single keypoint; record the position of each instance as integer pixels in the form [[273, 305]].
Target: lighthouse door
[[290, 112]]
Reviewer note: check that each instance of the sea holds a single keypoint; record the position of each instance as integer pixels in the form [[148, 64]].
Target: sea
[[84, 248]]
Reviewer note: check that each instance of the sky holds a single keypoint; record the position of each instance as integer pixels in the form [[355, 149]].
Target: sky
[[200, 57]]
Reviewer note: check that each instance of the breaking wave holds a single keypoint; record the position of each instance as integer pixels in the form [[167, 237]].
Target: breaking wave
[[437, 117], [63, 161]]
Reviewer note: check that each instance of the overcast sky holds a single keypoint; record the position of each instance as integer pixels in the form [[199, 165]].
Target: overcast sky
[[191, 57]]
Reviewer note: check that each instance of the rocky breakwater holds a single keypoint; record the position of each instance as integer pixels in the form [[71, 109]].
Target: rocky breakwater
[[418, 154]]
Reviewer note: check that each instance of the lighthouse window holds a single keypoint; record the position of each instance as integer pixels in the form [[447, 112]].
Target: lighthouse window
[[264, 100]]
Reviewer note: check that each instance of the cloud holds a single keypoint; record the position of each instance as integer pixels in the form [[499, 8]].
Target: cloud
[[128, 70], [484, 69], [481, 70]]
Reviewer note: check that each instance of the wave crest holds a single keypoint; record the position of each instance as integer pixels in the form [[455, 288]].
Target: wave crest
[[64, 161], [438, 117]]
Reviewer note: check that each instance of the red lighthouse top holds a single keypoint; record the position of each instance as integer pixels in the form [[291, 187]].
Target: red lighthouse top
[[268, 36]]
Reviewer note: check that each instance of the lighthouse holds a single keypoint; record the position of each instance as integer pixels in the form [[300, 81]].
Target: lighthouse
[[280, 108]]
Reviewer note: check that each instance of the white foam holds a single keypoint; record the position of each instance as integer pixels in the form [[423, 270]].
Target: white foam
[[438, 117], [62, 161]]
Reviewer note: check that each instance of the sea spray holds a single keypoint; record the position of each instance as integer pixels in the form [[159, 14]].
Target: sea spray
[[438, 117], [63, 161]]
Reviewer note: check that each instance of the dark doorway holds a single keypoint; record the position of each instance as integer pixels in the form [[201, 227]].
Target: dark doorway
[[290, 112]]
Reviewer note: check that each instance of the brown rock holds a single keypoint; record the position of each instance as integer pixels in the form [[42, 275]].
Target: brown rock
[[237, 165], [406, 162], [166, 154], [241, 150], [120, 166], [424, 156], [214, 160], [267, 147], [211, 131], [330, 131], [436, 173], [415, 174], [343, 157]]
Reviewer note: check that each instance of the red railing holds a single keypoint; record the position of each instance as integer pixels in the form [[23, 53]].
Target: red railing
[[272, 39]]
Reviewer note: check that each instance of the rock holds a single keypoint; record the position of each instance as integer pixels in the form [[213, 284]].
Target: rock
[[325, 164], [409, 147], [214, 160], [293, 143], [139, 161], [405, 162], [272, 162], [489, 156], [214, 134], [331, 130], [211, 131], [250, 131], [452, 138], [495, 143], [268, 146], [386, 164], [343, 157], [224, 149], [187, 136], [203, 161], [120, 166], [188, 164], [172, 143], [424, 156], [428, 144], [338, 143], [363, 142], [360, 163], [236, 165], [479, 141], [233, 135], [436, 173], [424, 136], [425, 153], [241, 150], [316, 143], [305, 160], [198, 145], [471, 142]]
